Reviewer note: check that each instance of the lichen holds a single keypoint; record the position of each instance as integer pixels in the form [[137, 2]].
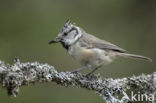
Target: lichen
[[12, 77]]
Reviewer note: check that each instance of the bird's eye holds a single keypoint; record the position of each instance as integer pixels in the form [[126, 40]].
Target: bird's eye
[[65, 34]]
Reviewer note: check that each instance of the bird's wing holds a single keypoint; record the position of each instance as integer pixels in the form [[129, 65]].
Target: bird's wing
[[90, 41]]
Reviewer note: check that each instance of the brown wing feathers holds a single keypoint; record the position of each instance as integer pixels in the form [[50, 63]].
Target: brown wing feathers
[[90, 41]]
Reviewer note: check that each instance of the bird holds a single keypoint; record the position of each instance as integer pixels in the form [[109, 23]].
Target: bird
[[89, 50]]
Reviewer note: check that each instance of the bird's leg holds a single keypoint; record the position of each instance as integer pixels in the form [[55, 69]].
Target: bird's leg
[[93, 70], [83, 68]]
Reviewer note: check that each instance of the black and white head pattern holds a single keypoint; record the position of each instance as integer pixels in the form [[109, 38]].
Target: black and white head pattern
[[70, 33]]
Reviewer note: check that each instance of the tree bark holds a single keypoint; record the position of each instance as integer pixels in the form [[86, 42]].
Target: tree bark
[[12, 77]]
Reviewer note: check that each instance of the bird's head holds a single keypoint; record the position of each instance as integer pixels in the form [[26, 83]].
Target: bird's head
[[68, 35]]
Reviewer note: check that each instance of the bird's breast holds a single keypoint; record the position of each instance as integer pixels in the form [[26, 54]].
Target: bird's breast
[[86, 56], [81, 54]]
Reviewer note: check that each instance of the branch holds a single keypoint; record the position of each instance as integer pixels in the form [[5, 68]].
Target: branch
[[111, 90]]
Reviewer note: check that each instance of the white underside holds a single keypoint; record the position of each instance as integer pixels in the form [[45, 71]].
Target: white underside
[[94, 57]]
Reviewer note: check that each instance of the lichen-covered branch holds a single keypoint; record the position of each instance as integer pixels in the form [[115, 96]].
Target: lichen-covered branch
[[12, 77]]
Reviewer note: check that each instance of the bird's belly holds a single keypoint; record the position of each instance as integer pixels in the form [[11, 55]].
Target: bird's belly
[[93, 57]]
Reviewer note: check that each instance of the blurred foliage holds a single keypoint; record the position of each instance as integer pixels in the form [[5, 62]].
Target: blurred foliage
[[26, 27]]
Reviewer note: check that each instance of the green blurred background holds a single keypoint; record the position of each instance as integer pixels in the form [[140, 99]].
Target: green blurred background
[[26, 27]]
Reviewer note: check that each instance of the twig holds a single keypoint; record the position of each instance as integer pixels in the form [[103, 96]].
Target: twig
[[111, 90]]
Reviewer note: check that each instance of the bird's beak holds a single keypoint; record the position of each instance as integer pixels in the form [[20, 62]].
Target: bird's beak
[[55, 40]]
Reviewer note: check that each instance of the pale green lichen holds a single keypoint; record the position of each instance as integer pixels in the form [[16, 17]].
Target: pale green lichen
[[112, 90]]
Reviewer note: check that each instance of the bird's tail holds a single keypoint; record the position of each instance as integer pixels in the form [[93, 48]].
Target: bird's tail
[[135, 56]]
